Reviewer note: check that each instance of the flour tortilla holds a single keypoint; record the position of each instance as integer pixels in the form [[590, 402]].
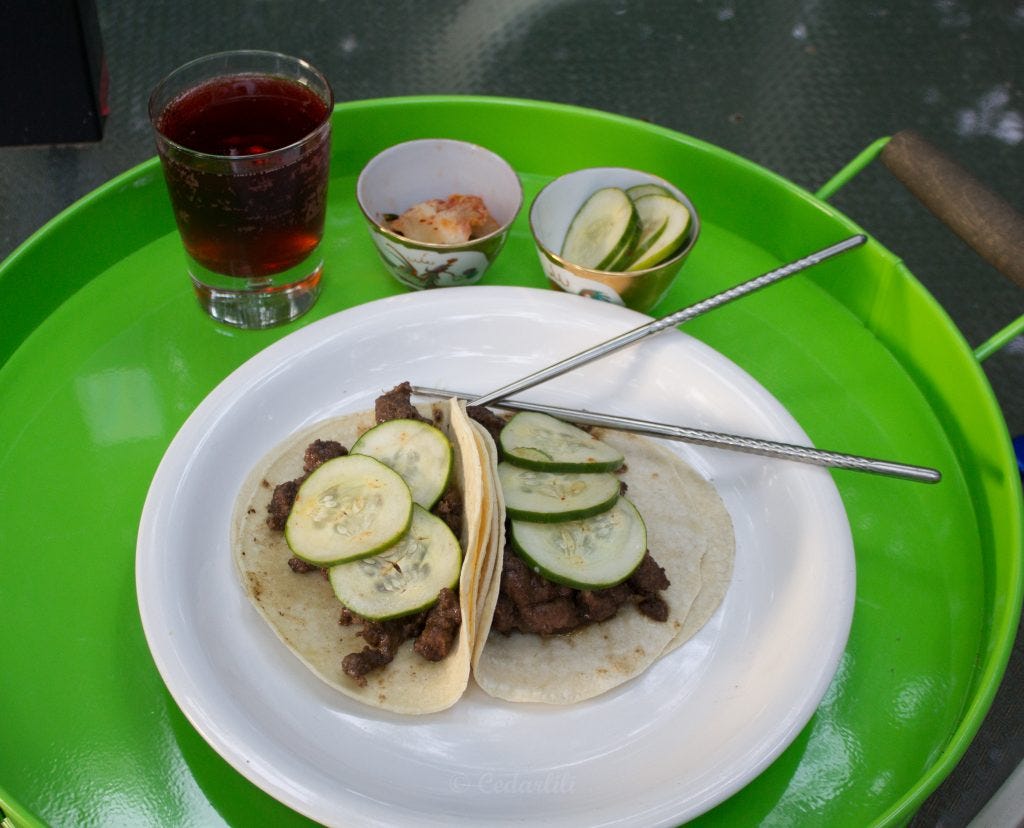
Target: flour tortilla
[[302, 608], [689, 533], [489, 571]]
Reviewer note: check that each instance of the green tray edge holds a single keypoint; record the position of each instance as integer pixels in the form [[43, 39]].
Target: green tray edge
[[1000, 633], [1005, 613]]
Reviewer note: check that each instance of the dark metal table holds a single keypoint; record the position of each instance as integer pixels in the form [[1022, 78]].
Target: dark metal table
[[799, 88]]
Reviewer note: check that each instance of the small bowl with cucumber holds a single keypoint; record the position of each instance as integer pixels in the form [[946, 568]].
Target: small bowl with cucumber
[[613, 233]]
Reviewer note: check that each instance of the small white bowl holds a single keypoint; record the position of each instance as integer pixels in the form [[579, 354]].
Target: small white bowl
[[552, 212], [416, 171]]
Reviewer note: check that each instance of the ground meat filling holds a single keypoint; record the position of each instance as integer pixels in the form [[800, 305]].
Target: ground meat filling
[[319, 452], [494, 423], [449, 509], [301, 567], [281, 503], [396, 405], [435, 630], [529, 603], [440, 627]]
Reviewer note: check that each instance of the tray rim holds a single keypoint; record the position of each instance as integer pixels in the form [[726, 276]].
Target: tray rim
[[1002, 608]]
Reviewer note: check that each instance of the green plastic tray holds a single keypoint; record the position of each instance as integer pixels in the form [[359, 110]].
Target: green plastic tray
[[104, 354]]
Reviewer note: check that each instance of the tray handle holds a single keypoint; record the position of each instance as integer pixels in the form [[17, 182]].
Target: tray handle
[[984, 220]]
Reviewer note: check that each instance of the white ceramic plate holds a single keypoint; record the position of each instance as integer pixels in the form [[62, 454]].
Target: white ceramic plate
[[662, 748]]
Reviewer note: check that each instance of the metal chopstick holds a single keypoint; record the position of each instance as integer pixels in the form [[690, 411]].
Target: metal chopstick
[[749, 445], [673, 319]]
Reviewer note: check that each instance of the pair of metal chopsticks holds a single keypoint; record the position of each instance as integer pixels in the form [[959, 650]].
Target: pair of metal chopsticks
[[750, 445]]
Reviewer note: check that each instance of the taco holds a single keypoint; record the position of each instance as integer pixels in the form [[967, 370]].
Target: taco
[[361, 546], [615, 552]]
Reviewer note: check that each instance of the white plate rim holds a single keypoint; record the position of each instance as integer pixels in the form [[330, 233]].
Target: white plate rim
[[160, 612]]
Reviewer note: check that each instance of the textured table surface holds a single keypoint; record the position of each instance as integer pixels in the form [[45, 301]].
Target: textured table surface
[[797, 87]]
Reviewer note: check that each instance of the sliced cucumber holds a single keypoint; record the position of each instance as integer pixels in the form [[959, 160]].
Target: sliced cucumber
[[541, 442], [418, 451], [604, 230], [593, 553], [657, 209], [650, 188], [350, 507], [406, 577], [546, 496], [650, 232]]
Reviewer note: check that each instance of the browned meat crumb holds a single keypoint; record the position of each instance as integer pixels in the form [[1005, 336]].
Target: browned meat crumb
[[504, 619], [383, 639], [601, 604], [648, 578], [440, 627], [526, 587], [529, 603], [357, 665], [301, 567], [434, 631], [449, 509], [281, 502], [320, 451], [654, 607], [494, 423], [558, 615], [396, 405]]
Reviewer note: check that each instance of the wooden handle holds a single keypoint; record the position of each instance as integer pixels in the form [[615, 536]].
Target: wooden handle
[[983, 219]]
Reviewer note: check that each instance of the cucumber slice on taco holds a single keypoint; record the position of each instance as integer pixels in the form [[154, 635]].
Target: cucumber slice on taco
[[548, 640], [408, 655]]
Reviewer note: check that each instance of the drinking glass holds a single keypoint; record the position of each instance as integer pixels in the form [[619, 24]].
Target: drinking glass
[[244, 141]]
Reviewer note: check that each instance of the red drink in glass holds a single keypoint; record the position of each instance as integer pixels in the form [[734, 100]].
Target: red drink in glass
[[244, 139]]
